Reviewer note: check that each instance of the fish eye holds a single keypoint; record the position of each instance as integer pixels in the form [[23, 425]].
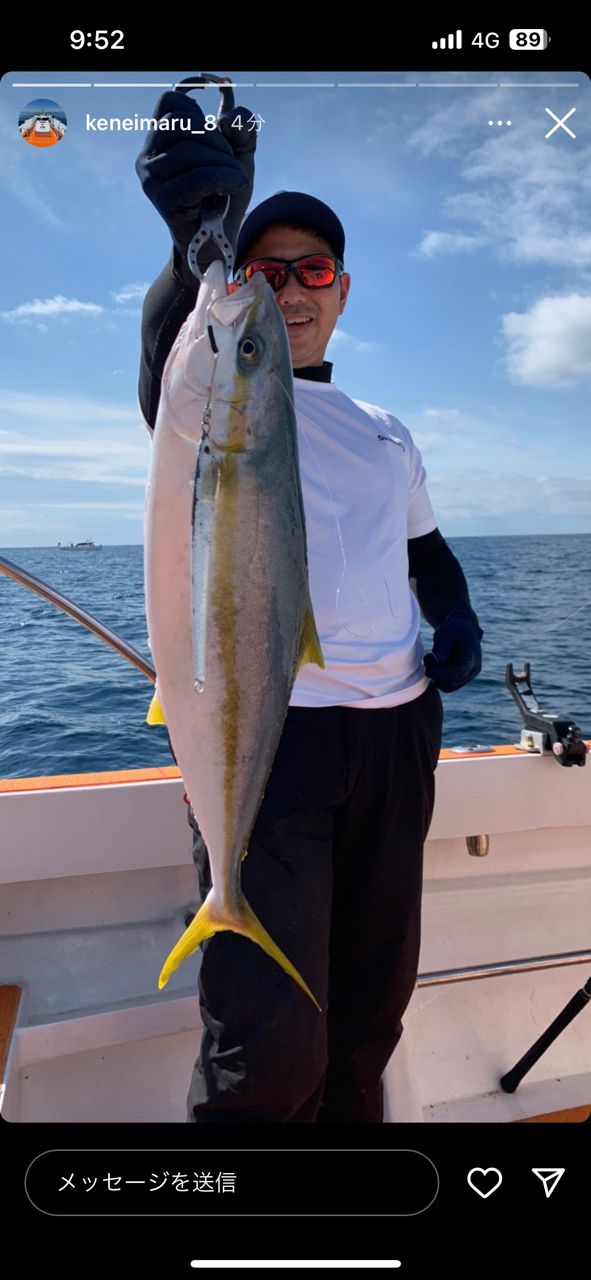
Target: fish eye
[[249, 349]]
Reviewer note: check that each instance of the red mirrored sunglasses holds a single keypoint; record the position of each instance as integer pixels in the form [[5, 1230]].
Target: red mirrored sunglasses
[[314, 271]]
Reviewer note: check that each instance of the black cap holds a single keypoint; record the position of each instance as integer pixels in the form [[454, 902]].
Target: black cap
[[291, 206]]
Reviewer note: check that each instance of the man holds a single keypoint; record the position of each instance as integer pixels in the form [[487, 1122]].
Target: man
[[335, 858]]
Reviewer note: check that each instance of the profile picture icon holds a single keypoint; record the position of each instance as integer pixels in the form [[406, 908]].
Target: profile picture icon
[[42, 122]]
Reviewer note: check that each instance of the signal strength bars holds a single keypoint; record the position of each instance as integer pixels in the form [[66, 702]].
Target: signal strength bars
[[448, 42]]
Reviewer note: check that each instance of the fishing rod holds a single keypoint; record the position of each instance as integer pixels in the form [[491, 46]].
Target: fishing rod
[[74, 611], [579, 1001]]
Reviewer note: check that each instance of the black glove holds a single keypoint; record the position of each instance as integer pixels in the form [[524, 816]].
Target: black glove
[[456, 658], [178, 169]]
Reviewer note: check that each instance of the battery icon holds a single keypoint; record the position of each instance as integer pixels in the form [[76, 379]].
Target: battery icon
[[528, 39]]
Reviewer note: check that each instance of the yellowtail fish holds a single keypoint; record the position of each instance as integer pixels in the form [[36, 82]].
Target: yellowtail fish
[[230, 618]]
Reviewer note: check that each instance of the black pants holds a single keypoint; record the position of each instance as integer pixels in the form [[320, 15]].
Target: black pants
[[334, 872]]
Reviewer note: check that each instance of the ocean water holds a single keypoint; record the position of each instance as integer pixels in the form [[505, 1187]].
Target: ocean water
[[69, 704]]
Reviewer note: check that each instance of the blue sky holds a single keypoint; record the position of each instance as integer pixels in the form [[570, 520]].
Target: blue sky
[[34, 105], [469, 315]]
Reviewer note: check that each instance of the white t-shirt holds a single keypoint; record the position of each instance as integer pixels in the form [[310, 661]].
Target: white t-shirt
[[363, 485]]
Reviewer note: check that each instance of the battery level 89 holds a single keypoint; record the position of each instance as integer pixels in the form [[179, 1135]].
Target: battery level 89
[[529, 40]]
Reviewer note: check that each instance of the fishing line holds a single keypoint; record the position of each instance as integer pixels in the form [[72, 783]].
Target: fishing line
[[557, 625], [359, 635]]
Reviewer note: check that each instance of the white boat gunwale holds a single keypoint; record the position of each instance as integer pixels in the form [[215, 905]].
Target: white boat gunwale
[[128, 830]]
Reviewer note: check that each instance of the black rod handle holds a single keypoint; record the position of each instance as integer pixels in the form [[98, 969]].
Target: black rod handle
[[511, 1079]]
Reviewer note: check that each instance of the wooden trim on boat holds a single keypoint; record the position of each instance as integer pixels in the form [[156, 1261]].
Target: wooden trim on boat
[[9, 1003], [171, 772], [504, 749], [572, 1115]]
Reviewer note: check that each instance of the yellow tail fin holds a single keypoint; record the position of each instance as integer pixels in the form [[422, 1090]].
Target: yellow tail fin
[[257, 933], [204, 925]]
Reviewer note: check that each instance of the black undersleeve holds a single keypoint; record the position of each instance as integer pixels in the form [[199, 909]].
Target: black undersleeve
[[441, 585]]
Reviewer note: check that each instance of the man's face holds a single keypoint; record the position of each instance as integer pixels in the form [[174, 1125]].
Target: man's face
[[319, 308]]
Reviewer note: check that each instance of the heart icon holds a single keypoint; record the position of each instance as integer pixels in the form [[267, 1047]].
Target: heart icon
[[484, 1181]]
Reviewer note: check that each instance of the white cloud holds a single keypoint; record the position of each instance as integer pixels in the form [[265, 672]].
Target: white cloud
[[41, 309], [437, 242], [58, 439], [527, 225], [475, 495], [456, 117], [95, 471], [523, 195], [130, 292], [343, 339], [99, 459], [73, 448], [550, 345], [51, 307], [52, 410], [452, 417], [427, 440], [433, 429], [132, 508]]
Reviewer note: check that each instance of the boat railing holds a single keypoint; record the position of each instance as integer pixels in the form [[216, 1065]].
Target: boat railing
[[500, 968]]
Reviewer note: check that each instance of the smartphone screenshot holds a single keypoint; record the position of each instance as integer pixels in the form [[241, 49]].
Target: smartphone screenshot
[[295, 710]]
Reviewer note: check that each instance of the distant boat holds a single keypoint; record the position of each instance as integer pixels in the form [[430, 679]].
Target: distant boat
[[88, 545]]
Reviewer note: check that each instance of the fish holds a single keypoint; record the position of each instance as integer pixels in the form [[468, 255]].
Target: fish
[[229, 612]]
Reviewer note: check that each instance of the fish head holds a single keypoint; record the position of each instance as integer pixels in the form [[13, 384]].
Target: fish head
[[252, 377]]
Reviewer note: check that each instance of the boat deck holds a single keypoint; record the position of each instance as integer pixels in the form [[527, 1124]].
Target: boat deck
[[109, 879]]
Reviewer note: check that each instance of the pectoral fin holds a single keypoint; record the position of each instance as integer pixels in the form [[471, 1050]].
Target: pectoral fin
[[155, 711], [309, 650]]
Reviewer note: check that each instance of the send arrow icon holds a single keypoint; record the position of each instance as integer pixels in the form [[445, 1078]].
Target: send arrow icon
[[550, 1178]]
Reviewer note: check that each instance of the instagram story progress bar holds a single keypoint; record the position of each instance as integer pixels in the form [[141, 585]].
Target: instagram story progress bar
[[448, 42]]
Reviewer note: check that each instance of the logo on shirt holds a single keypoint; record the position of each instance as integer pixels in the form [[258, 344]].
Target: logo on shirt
[[394, 440]]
